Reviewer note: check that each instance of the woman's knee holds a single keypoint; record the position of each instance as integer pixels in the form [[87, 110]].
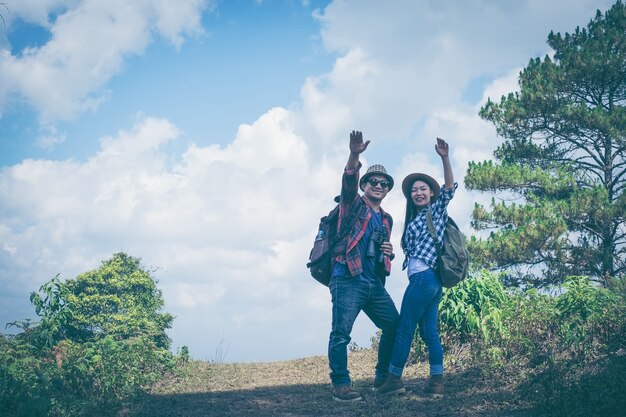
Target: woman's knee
[[429, 334]]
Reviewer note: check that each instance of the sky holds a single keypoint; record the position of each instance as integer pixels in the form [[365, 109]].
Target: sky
[[208, 137]]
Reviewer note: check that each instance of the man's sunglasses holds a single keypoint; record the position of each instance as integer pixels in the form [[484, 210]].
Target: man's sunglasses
[[383, 183]]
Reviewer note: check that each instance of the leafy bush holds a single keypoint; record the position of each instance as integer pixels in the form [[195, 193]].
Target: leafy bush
[[532, 326], [589, 316], [571, 346], [91, 378], [474, 308], [51, 304], [102, 373], [120, 299], [23, 385], [100, 341], [470, 313]]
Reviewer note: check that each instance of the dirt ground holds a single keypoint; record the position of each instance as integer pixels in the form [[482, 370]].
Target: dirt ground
[[301, 388]]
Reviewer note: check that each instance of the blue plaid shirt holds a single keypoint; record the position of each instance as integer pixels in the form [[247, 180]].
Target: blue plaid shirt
[[418, 243]]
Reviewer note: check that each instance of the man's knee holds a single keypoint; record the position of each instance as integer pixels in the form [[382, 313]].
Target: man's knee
[[339, 338]]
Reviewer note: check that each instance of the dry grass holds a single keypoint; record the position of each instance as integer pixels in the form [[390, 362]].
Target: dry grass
[[301, 388]]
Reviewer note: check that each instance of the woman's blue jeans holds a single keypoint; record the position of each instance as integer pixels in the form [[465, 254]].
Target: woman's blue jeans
[[419, 307], [350, 295]]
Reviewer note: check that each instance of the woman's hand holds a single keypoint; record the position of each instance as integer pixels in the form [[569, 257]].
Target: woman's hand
[[442, 147]]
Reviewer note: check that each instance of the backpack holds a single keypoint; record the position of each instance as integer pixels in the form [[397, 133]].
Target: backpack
[[329, 243], [452, 255]]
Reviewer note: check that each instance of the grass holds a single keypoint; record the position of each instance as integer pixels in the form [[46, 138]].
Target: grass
[[301, 388]]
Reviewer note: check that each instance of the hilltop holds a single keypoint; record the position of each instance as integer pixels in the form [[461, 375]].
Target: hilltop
[[301, 388]]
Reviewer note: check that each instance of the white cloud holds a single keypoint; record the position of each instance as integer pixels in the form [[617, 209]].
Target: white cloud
[[90, 40], [224, 222], [37, 12], [50, 136], [229, 227], [502, 86]]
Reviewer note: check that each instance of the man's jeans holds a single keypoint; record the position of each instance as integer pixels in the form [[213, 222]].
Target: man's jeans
[[350, 295], [419, 306]]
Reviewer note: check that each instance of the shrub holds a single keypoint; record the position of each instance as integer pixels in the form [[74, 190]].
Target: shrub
[[470, 313], [473, 309], [24, 390], [100, 341], [590, 317], [119, 299]]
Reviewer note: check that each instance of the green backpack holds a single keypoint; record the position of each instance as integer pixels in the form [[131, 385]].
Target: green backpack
[[452, 255]]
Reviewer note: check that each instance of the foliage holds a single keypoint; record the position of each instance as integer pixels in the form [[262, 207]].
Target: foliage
[[590, 317], [52, 307], [78, 378], [582, 321], [532, 326], [469, 312], [182, 355], [118, 299], [562, 160], [566, 348], [473, 308], [100, 341], [581, 372]]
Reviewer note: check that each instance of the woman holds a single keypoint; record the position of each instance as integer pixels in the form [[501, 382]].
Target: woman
[[421, 298]]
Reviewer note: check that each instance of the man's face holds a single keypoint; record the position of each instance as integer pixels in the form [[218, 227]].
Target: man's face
[[376, 187]]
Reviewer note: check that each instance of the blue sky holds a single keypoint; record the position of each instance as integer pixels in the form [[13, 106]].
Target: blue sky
[[239, 67], [208, 137]]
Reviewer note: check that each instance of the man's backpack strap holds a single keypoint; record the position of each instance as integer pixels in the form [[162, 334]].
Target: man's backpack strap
[[348, 222]]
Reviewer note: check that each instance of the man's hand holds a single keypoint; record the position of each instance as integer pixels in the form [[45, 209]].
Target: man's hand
[[442, 147], [386, 248], [356, 142]]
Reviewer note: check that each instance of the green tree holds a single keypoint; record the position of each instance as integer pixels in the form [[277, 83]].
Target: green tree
[[56, 316], [119, 299], [561, 165], [4, 5], [99, 342]]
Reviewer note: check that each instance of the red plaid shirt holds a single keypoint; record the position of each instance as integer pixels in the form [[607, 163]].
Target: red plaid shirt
[[351, 200]]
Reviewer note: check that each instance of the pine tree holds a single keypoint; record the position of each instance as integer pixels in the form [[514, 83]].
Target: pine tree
[[562, 162]]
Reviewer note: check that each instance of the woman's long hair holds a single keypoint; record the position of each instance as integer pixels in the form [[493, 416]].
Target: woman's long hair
[[410, 213]]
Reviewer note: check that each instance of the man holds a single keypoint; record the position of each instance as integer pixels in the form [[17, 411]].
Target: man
[[360, 270]]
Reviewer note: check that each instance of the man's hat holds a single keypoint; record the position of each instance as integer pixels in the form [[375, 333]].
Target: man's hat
[[407, 184], [376, 170]]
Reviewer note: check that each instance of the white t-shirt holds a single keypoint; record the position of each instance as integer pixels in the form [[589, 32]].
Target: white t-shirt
[[416, 265]]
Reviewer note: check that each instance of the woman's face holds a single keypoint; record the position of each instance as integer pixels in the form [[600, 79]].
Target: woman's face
[[421, 193]]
